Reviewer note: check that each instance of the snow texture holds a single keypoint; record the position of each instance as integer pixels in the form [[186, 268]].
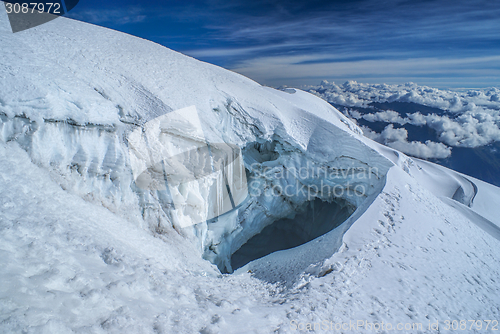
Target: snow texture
[[84, 249]]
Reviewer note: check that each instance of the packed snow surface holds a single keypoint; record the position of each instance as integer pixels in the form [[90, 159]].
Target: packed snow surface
[[85, 249]]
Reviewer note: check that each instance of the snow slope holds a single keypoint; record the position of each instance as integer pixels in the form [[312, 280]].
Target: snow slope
[[85, 250]]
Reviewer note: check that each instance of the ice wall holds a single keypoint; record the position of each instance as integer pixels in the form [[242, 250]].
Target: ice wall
[[74, 101], [285, 183], [284, 178]]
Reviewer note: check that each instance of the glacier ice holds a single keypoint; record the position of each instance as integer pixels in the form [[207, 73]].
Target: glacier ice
[[79, 127], [285, 185], [204, 179], [284, 180]]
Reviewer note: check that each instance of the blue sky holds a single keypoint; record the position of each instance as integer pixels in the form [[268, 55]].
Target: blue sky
[[437, 43]]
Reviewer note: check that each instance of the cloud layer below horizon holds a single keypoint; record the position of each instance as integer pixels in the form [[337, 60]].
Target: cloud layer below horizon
[[467, 119]]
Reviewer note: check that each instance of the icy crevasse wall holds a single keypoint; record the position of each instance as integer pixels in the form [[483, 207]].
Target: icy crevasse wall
[[93, 162], [88, 160], [285, 175]]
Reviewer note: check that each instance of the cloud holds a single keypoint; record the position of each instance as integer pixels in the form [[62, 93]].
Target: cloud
[[457, 101], [241, 51], [390, 135], [336, 22], [293, 43], [388, 116], [467, 130], [398, 139], [297, 69], [427, 150], [472, 118]]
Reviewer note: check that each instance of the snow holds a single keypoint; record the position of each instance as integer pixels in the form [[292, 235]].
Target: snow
[[488, 194], [71, 266], [87, 249]]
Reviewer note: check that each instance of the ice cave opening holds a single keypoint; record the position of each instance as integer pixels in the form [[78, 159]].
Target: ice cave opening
[[313, 219], [295, 197]]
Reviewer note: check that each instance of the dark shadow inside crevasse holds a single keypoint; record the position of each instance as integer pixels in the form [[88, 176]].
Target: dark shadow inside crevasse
[[314, 219], [260, 152]]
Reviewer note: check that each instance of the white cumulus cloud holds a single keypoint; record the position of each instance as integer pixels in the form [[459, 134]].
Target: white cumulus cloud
[[389, 116], [398, 139], [470, 118]]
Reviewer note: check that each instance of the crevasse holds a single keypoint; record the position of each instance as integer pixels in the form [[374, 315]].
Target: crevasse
[[296, 193], [91, 161]]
